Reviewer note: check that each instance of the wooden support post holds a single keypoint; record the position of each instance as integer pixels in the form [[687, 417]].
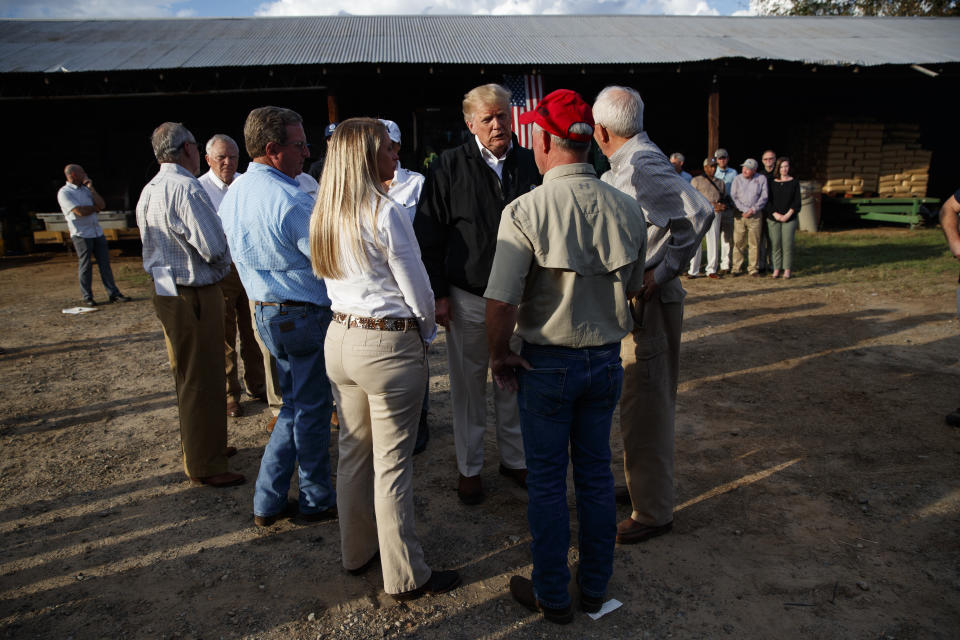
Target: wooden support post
[[333, 113], [713, 117]]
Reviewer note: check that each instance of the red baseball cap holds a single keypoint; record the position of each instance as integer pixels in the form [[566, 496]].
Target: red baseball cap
[[558, 111]]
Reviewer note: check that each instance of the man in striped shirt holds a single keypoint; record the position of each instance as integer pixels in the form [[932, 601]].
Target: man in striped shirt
[[185, 251], [677, 217]]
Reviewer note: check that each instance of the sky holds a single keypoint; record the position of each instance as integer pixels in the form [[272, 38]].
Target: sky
[[91, 9]]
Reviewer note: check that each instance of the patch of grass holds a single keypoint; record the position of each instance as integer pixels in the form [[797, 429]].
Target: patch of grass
[[132, 274], [913, 262]]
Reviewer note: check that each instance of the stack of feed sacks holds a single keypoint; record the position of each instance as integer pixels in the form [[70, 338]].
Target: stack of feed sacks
[[905, 165], [853, 159]]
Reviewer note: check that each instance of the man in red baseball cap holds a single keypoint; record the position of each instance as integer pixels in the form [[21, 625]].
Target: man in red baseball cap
[[569, 257]]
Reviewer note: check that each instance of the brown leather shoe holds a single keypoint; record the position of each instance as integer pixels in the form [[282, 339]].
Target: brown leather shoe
[[522, 591], [225, 479], [714, 276], [470, 489], [631, 532], [438, 582], [271, 424], [519, 476], [234, 410]]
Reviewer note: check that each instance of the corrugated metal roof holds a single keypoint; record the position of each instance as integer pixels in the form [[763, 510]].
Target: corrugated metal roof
[[126, 45]]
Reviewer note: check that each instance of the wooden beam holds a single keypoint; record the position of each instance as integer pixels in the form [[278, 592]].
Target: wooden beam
[[333, 113], [713, 117]]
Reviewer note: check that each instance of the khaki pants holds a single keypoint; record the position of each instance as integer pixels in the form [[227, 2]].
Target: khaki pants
[[270, 383], [378, 381], [469, 362], [193, 328], [236, 319], [745, 229], [651, 361]]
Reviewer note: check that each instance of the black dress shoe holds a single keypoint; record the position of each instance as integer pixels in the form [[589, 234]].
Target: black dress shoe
[[362, 569], [289, 511], [120, 298], [89, 302], [522, 591], [519, 476], [319, 516], [438, 582]]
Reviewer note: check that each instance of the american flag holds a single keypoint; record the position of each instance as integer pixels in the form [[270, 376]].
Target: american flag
[[525, 93]]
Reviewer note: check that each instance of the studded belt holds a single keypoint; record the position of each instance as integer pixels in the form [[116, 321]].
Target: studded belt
[[377, 324]]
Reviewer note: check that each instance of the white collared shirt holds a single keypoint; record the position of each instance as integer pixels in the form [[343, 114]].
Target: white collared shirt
[[405, 190], [493, 161], [215, 187]]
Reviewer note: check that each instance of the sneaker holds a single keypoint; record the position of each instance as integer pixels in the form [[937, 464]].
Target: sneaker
[[120, 298]]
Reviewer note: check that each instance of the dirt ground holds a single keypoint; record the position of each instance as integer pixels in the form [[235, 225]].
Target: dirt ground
[[818, 488]]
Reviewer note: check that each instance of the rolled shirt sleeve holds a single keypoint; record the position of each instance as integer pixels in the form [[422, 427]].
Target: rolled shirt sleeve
[[511, 262]]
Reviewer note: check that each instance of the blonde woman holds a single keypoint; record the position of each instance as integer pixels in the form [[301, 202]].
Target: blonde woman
[[362, 245]]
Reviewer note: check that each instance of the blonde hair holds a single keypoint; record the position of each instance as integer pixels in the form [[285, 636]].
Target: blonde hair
[[349, 184], [486, 95]]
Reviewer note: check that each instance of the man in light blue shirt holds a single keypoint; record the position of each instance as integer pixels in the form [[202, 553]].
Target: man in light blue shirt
[[80, 204], [266, 218], [726, 174]]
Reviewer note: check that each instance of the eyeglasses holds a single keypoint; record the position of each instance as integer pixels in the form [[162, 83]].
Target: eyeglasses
[[301, 145]]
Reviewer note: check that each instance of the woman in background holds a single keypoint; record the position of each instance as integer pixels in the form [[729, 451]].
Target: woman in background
[[782, 223], [363, 246]]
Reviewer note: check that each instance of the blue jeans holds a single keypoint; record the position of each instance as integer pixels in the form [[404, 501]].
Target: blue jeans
[[97, 247], [295, 335], [568, 399]]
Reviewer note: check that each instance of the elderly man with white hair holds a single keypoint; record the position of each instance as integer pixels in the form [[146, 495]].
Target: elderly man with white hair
[[456, 224], [677, 217], [223, 157]]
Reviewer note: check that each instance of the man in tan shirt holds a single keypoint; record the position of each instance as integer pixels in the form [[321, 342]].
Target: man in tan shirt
[[569, 256]]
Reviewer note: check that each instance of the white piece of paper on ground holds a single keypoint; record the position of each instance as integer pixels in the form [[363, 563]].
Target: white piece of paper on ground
[[75, 310], [607, 607], [163, 281]]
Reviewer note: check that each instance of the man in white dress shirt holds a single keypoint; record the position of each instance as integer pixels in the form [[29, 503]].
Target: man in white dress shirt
[[404, 189], [80, 203], [223, 157]]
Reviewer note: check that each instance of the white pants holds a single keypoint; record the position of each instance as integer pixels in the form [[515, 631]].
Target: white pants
[[469, 361], [726, 242], [713, 237]]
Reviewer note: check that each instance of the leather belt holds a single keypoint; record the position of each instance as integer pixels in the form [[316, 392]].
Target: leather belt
[[377, 324], [285, 303]]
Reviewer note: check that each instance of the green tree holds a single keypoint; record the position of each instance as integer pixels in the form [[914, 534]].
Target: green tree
[[862, 8]]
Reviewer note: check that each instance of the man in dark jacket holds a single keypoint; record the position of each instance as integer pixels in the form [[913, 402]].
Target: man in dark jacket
[[456, 224]]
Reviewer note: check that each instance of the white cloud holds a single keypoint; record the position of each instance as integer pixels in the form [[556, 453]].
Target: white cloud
[[86, 9], [483, 7]]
